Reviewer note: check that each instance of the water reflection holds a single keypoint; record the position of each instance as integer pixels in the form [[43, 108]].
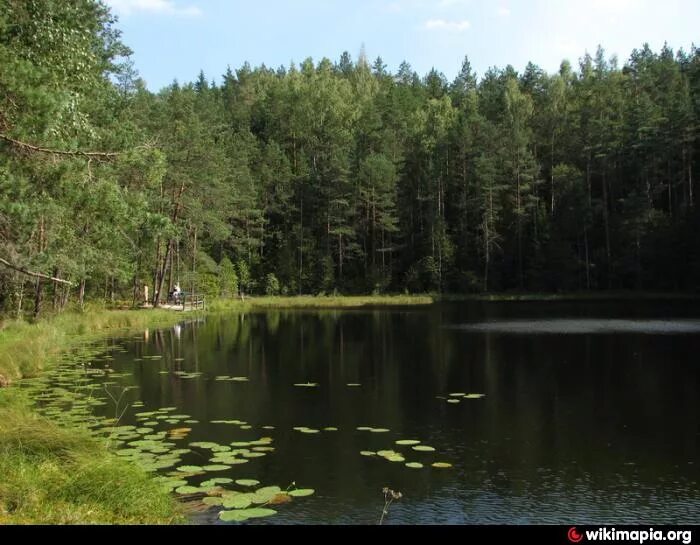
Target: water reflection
[[583, 427]]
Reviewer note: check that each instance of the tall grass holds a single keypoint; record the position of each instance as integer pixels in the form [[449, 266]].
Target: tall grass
[[309, 301], [53, 475]]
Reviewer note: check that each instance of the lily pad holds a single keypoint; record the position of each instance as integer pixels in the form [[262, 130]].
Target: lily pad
[[423, 448], [253, 454], [232, 516], [307, 385], [190, 469], [188, 490], [213, 468], [247, 482], [474, 396], [240, 501], [442, 465], [213, 482], [453, 401], [213, 501], [368, 453], [408, 442], [301, 492], [414, 465]]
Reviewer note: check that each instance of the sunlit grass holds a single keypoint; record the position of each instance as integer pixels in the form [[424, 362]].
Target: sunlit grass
[[53, 475]]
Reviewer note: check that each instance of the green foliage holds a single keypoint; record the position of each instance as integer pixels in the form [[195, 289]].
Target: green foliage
[[272, 285], [339, 178], [228, 279], [244, 278]]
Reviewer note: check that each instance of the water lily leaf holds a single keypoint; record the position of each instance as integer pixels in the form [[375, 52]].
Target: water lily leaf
[[423, 448], [408, 442], [462, 394], [396, 458], [268, 427], [190, 469], [414, 465], [232, 516], [364, 428], [442, 465], [253, 454], [385, 453], [215, 481], [352, 385], [368, 453], [247, 482], [330, 429], [474, 396], [379, 430], [239, 501], [188, 490], [307, 385], [280, 499], [453, 401], [301, 492], [180, 431], [212, 501], [204, 445], [213, 468], [264, 449]]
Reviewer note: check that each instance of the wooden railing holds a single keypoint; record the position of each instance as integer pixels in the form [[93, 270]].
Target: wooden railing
[[188, 302], [193, 302]]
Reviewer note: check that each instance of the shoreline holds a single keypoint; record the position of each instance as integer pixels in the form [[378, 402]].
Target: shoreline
[[31, 443]]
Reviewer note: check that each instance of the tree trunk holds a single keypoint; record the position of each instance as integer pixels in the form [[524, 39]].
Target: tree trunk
[[81, 293], [38, 296]]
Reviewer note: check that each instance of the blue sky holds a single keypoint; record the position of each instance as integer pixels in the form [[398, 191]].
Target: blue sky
[[174, 39]]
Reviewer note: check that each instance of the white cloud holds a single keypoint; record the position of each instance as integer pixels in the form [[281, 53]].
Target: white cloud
[[163, 7], [452, 26], [503, 12]]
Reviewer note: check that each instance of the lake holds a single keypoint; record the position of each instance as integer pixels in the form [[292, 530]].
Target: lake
[[589, 414]]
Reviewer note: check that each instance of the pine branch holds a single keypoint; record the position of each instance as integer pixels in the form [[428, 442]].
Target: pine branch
[[37, 149], [34, 274]]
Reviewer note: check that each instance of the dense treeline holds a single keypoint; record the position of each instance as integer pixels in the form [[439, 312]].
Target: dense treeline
[[340, 176]]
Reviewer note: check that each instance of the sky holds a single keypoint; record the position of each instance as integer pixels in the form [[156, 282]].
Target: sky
[[175, 39]]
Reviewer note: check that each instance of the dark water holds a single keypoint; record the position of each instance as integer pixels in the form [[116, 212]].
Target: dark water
[[591, 412]]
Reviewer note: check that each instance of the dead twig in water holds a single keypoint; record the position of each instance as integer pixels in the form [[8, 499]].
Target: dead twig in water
[[389, 497]]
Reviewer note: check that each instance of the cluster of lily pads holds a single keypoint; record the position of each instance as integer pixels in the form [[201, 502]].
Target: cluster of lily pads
[[397, 457], [226, 378], [304, 429], [457, 397], [237, 505]]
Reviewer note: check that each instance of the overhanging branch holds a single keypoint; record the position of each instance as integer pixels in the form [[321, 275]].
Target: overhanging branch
[[69, 153], [34, 274]]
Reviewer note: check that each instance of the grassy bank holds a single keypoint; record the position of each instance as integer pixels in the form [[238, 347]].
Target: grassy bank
[[54, 475], [312, 302]]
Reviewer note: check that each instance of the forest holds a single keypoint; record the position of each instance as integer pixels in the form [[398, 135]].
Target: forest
[[336, 177]]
